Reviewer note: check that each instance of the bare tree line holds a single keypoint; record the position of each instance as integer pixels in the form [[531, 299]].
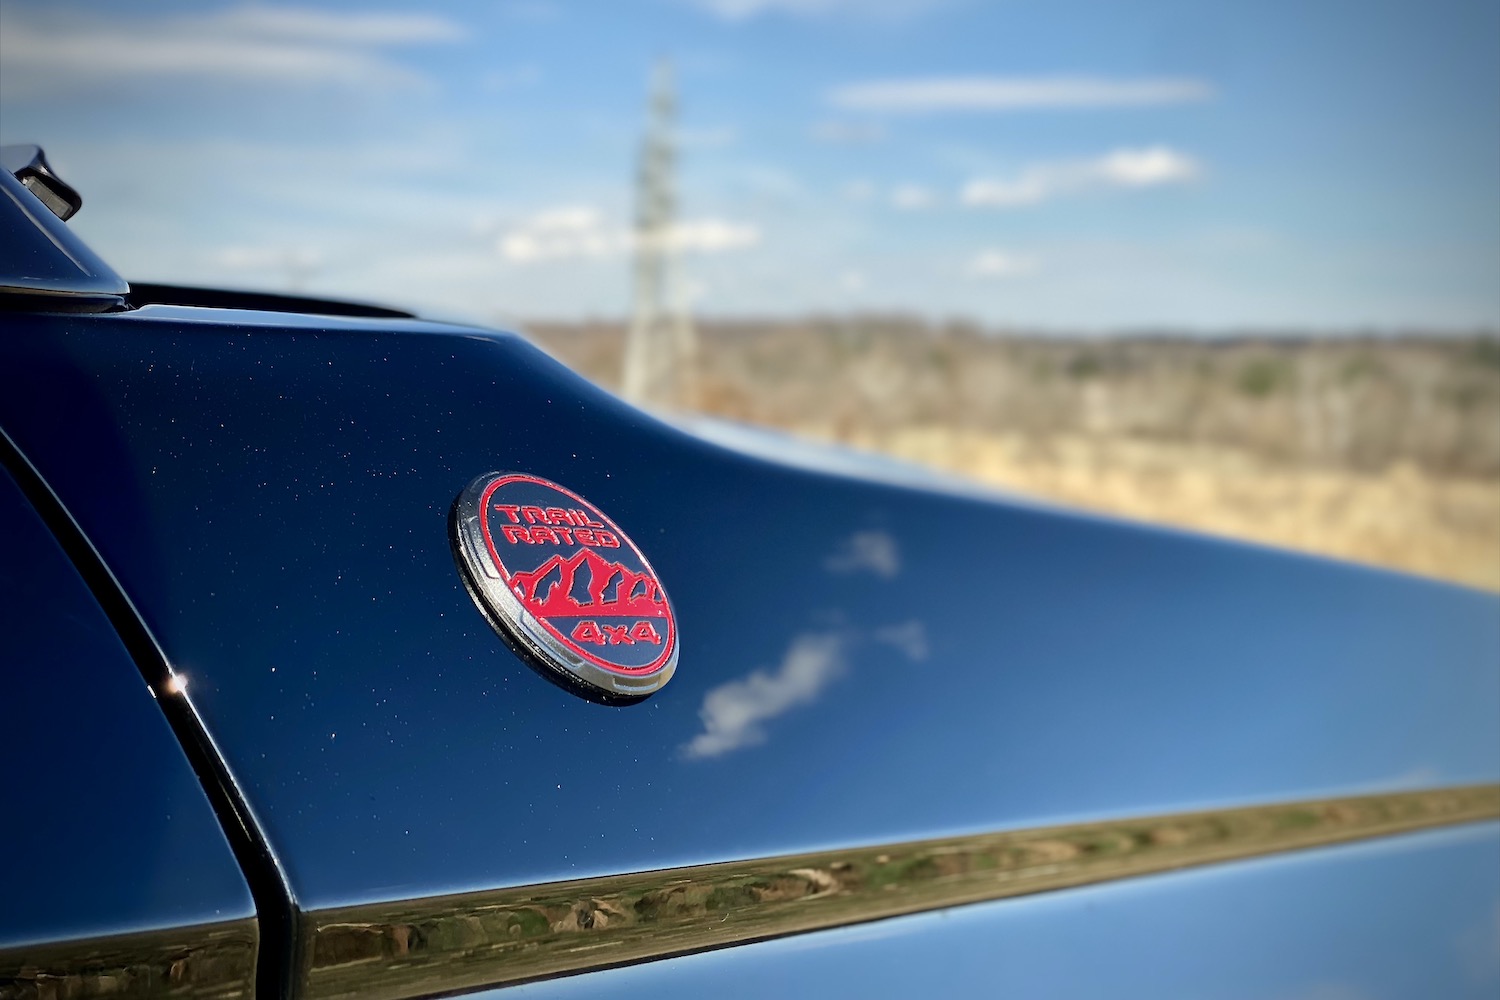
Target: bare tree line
[[1360, 402]]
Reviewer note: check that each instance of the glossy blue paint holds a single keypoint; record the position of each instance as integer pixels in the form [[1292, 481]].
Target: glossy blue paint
[[1406, 919], [861, 663], [106, 829], [43, 261]]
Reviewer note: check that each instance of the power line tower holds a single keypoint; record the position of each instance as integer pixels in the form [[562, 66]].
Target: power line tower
[[661, 349]]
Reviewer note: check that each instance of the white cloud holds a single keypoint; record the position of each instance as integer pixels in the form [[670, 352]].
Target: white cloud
[[307, 25], [530, 10], [1145, 167], [858, 191], [716, 137], [743, 10], [910, 637], [1122, 168], [771, 183], [580, 231], [561, 234], [853, 280], [999, 93], [734, 714], [866, 551], [999, 264], [504, 80], [282, 46], [711, 235], [269, 258], [1034, 185], [911, 196], [842, 133]]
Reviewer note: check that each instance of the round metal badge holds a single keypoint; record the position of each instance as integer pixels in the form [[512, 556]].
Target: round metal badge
[[565, 585]]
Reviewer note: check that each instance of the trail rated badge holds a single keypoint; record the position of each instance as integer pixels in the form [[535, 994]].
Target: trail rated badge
[[564, 585]]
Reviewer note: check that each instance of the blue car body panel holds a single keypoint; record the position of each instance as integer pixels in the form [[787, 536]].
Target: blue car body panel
[[107, 830], [266, 497], [272, 494]]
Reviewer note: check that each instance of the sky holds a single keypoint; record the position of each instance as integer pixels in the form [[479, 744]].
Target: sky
[[1072, 165]]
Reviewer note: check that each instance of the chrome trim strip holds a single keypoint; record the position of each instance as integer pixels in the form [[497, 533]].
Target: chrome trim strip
[[204, 962], [449, 944]]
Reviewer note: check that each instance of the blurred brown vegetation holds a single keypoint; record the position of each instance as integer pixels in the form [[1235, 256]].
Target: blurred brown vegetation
[[1379, 449]]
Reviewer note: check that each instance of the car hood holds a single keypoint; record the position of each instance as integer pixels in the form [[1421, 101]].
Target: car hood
[[862, 662]]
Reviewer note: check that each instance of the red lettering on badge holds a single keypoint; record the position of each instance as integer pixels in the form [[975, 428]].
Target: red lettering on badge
[[576, 577], [588, 632], [616, 635], [619, 635]]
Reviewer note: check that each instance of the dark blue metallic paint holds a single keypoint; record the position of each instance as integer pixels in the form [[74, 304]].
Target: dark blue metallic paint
[[860, 663], [106, 829], [43, 264]]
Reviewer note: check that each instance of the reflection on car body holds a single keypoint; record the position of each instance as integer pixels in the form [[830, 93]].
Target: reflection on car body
[[889, 699]]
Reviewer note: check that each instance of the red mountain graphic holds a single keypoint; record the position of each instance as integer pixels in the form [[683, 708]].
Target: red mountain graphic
[[555, 588]]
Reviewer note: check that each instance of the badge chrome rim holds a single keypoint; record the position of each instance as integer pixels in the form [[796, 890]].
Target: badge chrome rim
[[490, 583]]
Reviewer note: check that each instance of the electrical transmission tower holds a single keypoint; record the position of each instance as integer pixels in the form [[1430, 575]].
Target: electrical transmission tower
[[661, 350]]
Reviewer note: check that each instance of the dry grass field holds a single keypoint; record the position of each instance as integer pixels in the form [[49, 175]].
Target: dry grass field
[[1401, 517], [1378, 450]]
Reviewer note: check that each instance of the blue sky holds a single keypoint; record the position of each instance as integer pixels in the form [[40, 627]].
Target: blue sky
[[1067, 164]]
